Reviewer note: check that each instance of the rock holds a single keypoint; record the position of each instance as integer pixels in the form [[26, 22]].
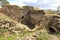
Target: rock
[[17, 38]]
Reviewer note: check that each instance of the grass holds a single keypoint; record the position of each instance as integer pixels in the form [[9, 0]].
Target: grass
[[12, 37], [9, 38], [26, 32], [1, 38], [3, 16], [2, 31], [43, 35], [57, 34]]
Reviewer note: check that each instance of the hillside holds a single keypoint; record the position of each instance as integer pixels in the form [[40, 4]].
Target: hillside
[[12, 29]]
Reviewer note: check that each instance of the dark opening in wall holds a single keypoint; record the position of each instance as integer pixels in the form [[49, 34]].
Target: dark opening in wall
[[22, 17], [51, 30]]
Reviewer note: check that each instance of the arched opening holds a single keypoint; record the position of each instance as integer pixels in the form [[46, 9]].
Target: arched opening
[[51, 30]]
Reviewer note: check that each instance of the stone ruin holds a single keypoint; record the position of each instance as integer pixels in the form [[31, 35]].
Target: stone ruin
[[29, 16], [15, 12], [32, 18], [54, 24], [12, 11]]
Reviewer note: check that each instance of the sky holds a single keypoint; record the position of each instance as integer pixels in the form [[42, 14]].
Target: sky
[[44, 4]]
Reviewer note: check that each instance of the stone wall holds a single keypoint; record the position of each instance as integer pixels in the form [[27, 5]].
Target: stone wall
[[27, 14]]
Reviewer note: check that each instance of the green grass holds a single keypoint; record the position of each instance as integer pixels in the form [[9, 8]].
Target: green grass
[[43, 37], [57, 34], [46, 35], [9, 38], [26, 32], [3, 31], [12, 37], [1, 38], [2, 34]]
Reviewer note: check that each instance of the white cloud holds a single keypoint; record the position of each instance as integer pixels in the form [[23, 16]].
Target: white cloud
[[33, 1], [17, 2], [45, 1], [51, 4], [21, 2], [55, 4]]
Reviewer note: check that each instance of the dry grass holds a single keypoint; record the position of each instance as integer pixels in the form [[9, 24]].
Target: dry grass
[[3, 16]]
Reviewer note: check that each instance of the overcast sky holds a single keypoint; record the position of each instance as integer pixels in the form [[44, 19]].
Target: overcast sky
[[45, 4]]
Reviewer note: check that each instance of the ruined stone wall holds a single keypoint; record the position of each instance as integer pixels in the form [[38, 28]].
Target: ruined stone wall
[[35, 16], [31, 16], [54, 24], [13, 11]]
